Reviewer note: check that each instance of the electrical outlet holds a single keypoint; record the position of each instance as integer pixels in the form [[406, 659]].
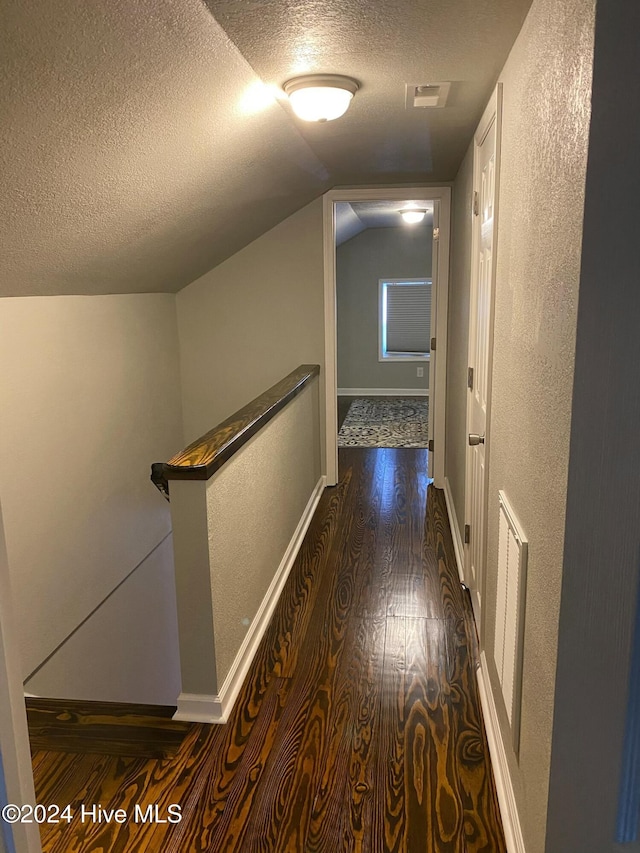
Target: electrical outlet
[[420, 372]]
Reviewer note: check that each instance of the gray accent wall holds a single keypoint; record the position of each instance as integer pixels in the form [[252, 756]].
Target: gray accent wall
[[6, 831], [376, 253], [602, 537], [3, 846], [547, 89], [6, 834]]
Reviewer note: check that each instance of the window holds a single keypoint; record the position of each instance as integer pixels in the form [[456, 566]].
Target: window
[[405, 319]]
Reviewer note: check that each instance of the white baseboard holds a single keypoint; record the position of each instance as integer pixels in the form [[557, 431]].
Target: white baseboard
[[476, 606], [506, 796], [458, 545], [199, 708], [383, 392]]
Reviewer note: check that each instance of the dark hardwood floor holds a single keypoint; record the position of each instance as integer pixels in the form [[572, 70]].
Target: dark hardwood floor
[[109, 728], [358, 727]]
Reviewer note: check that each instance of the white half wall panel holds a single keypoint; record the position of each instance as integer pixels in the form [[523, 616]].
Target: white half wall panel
[[127, 649], [90, 398]]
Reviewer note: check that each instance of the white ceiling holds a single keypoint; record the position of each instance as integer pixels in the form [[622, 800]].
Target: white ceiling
[[144, 141]]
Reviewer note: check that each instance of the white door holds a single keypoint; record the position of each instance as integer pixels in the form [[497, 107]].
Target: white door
[[485, 180]]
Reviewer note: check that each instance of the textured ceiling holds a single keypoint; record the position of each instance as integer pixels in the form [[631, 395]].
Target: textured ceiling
[[354, 217], [144, 141]]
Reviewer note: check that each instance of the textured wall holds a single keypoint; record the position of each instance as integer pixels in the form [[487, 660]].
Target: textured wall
[[90, 398], [127, 651], [252, 320], [360, 262], [249, 531], [547, 88], [458, 342], [599, 607]]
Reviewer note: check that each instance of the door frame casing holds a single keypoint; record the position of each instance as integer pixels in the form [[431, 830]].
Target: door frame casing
[[493, 111], [440, 274], [14, 735]]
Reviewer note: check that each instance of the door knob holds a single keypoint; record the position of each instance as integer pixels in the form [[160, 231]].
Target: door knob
[[475, 439]]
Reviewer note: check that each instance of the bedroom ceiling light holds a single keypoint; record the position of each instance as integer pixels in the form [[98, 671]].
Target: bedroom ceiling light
[[413, 215], [320, 97]]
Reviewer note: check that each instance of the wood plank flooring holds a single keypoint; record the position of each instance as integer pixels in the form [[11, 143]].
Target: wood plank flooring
[[109, 728], [358, 728]]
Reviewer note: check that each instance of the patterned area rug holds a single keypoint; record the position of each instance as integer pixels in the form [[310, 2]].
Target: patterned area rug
[[390, 422]]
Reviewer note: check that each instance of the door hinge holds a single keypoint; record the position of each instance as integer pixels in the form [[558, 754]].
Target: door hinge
[[467, 534], [433, 344], [470, 379], [436, 233], [476, 204], [430, 445]]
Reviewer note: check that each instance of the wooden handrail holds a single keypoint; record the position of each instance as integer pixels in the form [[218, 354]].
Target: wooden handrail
[[205, 455]]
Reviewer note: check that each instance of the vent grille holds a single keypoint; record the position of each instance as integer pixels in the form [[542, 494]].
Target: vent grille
[[425, 95]]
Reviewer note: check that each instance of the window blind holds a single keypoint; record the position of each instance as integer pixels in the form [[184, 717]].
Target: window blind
[[408, 317]]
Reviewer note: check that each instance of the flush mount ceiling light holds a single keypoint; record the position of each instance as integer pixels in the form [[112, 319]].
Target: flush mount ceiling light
[[320, 97], [412, 215]]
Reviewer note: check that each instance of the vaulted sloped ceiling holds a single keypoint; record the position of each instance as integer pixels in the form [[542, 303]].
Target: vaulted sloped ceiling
[[142, 142], [354, 217]]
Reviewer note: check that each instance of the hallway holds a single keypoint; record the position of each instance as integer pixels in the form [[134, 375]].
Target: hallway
[[358, 727]]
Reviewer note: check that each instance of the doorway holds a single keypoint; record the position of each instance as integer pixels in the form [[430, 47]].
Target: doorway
[[413, 354]]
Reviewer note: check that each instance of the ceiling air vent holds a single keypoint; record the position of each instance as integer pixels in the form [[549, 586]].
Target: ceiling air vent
[[422, 95]]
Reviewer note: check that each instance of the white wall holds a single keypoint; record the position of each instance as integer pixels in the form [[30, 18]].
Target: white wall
[[547, 88], [90, 393], [234, 547], [250, 321], [249, 531], [376, 253], [127, 650]]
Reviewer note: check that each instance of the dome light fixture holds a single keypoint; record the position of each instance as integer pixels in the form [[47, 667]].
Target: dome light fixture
[[413, 215], [320, 97]]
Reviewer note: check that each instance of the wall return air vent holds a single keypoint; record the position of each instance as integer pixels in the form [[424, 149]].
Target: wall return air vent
[[424, 95], [513, 550]]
